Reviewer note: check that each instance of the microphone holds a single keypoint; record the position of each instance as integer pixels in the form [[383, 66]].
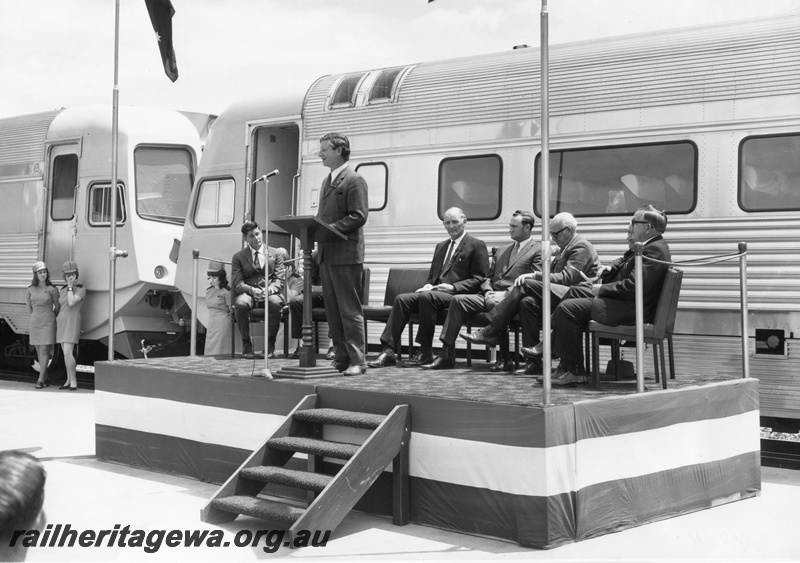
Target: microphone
[[266, 176]]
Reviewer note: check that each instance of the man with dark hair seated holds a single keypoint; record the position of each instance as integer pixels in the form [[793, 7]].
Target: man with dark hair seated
[[248, 281], [22, 479]]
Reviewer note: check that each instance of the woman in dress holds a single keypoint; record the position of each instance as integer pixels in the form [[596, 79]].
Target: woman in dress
[[218, 302], [69, 321], [42, 299]]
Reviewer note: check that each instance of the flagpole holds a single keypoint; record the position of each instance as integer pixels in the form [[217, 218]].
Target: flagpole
[[112, 242], [544, 194]]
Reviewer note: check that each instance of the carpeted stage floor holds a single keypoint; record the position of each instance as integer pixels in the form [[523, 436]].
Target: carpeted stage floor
[[462, 383]]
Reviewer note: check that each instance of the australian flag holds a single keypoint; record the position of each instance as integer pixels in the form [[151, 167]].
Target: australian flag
[[161, 12]]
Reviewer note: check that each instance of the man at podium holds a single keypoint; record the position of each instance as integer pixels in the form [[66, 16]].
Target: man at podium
[[344, 205]]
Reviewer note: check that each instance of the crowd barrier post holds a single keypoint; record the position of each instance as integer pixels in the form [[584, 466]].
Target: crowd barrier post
[[193, 345], [743, 307], [637, 249]]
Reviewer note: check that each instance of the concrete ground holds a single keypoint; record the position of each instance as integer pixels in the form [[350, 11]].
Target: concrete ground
[[58, 427]]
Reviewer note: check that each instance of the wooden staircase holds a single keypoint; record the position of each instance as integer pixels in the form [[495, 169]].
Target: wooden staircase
[[330, 497]]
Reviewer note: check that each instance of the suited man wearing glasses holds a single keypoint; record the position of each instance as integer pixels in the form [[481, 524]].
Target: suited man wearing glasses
[[522, 257], [459, 265], [250, 287]]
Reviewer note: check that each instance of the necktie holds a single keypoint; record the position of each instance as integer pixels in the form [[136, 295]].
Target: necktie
[[514, 251], [449, 253], [256, 261]]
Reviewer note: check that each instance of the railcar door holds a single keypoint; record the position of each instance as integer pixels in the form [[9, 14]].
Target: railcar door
[[61, 218], [275, 147]]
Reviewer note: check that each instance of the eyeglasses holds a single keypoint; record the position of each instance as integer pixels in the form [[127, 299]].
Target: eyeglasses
[[554, 234]]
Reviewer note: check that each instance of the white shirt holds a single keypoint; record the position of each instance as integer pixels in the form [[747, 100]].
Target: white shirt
[[335, 173]]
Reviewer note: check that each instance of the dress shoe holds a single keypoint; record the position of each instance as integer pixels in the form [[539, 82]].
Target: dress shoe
[[355, 370], [533, 352], [340, 366], [331, 354], [534, 367], [73, 388], [271, 355], [385, 358], [42, 384], [65, 386], [486, 335], [570, 378], [440, 363], [420, 359], [295, 355], [502, 365], [247, 351]]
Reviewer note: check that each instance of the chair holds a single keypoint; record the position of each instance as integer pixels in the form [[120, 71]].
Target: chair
[[401, 280], [655, 333], [318, 313]]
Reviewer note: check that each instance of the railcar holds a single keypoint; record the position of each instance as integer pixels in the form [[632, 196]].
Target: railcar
[[703, 122], [55, 181]]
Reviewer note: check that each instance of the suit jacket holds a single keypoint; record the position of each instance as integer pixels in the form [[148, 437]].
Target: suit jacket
[[468, 265], [244, 275], [616, 302], [578, 255], [503, 272], [344, 205]]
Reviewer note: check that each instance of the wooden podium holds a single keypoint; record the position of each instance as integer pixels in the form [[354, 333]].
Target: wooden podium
[[307, 229]]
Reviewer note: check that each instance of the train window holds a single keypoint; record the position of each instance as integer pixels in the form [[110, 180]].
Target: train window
[[100, 205], [377, 176], [473, 183], [164, 177], [619, 180], [769, 173], [65, 182], [345, 93], [384, 87], [214, 203]]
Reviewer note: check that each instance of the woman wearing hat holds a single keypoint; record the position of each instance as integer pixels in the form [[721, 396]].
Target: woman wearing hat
[[218, 302], [68, 331], [42, 299]]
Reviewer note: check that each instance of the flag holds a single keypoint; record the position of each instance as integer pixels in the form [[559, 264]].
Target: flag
[[161, 12]]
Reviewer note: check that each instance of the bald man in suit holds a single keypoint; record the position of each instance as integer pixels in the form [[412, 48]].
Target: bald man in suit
[[523, 256], [459, 265]]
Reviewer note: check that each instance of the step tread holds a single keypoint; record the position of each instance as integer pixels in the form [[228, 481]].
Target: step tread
[[270, 510], [289, 477], [341, 418], [338, 450]]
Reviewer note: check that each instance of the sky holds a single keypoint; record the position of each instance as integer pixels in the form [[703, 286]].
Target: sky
[[60, 53]]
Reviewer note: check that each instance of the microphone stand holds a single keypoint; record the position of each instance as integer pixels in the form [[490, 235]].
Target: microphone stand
[[265, 372]]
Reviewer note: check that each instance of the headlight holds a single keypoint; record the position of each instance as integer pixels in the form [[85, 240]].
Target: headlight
[[160, 272]]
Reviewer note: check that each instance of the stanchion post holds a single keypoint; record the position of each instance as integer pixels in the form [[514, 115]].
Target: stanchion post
[[743, 297], [193, 344], [637, 249]]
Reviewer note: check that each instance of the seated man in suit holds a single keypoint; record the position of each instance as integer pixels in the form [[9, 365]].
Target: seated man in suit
[[459, 265], [248, 280], [573, 266], [521, 257], [612, 301]]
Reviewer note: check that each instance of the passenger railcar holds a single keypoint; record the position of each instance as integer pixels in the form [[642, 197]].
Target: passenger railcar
[[55, 181], [703, 122]]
